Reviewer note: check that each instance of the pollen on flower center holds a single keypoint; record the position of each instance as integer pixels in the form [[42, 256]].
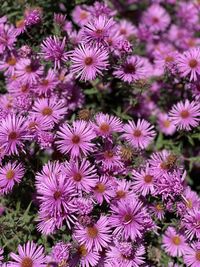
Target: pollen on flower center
[[99, 31], [148, 178], [32, 125], [88, 61], [100, 188], [10, 174], [24, 88], [137, 133], [45, 82], [166, 123], [11, 61], [159, 207], [82, 250], [129, 68], [47, 111], [104, 127], [120, 194], [57, 195], [92, 231], [27, 262], [108, 154], [76, 139], [28, 69], [193, 63], [176, 240], [155, 20], [169, 59], [197, 255], [128, 217], [12, 136], [185, 114], [77, 177], [83, 15]]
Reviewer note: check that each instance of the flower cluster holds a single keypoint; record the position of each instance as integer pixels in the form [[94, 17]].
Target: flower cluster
[[108, 176]]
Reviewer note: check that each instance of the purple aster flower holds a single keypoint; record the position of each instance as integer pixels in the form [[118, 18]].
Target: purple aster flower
[[81, 15], [190, 222], [32, 16], [29, 255], [88, 62], [185, 115], [10, 174], [47, 84], [12, 134], [97, 29], [84, 257], [127, 218], [103, 190], [106, 124], [8, 64], [28, 71], [174, 243], [7, 37], [156, 18], [192, 255], [84, 206], [60, 252], [52, 108], [53, 49], [139, 134], [166, 126], [82, 174], [162, 162], [55, 195], [133, 69], [191, 198], [143, 181], [125, 254], [75, 139], [188, 64], [95, 235]]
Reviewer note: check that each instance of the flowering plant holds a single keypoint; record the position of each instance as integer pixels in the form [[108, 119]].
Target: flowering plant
[[99, 164]]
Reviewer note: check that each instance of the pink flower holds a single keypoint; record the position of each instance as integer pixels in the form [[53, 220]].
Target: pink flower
[[84, 257], [97, 29], [80, 15], [29, 255], [55, 194], [28, 71], [53, 50], [82, 174], [174, 243], [192, 255], [126, 29], [75, 139], [96, 235], [103, 190], [156, 18], [133, 69], [46, 85], [185, 115], [52, 108], [191, 223], [139, 134], [12, 134], [127, 218], [125, 254], [188, 63], [165, 124], [88, 62], [8, 65], [10, 174], [143, 181], [106, 124]]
